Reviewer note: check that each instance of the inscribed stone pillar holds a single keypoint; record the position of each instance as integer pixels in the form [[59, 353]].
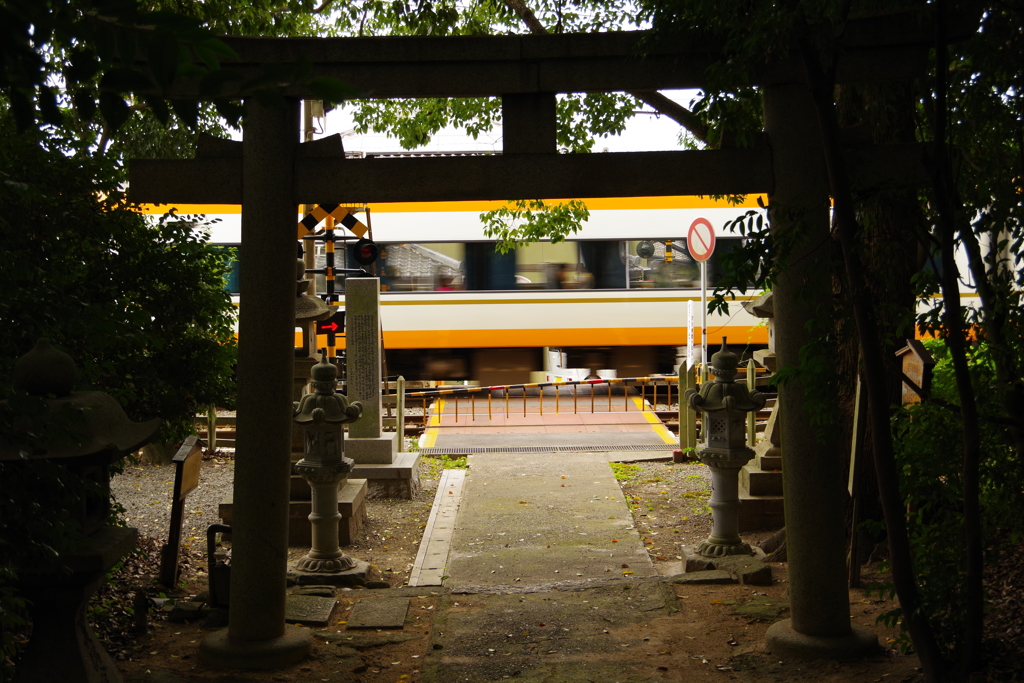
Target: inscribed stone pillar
[[812, 477], [256, 636], [366, 442]]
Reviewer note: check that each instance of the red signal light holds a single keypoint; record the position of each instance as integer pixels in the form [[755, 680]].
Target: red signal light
[[365, 252]]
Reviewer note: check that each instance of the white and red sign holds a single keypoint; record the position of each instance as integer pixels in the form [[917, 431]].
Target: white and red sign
[[700, 240]]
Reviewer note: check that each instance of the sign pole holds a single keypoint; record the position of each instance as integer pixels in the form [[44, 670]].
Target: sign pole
[[704, 319], [700, 242], [689, 335]]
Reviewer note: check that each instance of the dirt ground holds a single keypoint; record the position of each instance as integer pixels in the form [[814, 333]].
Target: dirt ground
[[722, 637]]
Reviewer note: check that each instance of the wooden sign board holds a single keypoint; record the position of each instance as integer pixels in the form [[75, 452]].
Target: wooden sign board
[[187, 463], [916, 364]]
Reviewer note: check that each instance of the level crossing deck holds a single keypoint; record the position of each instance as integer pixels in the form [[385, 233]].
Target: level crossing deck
[[539, 503], [555, 418]]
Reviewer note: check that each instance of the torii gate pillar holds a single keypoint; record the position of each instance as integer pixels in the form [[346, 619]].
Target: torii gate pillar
[[256, 637], [815, 528]]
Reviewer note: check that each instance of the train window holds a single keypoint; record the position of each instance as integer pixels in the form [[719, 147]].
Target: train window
[[592, 264], [670, 265]]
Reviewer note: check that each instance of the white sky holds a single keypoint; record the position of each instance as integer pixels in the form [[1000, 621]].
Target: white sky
[[644, 133]]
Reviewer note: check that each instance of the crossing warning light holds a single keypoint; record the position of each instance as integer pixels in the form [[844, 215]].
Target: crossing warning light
[[365, 252]]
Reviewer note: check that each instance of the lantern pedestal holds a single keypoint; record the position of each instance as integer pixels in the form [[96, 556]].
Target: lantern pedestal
[[63, 646], [725, 510], [325, 555]]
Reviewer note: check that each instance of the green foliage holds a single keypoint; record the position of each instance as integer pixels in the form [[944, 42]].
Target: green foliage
[[13, 609], [528, 220], [624, 471], [118, 57], [415, 122], [141, 307], [929, 452], [581, 117], [439, 463], [747, 266]]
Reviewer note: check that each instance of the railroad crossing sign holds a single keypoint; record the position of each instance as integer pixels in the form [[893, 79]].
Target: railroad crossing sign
[[700, 240], [342, 214]]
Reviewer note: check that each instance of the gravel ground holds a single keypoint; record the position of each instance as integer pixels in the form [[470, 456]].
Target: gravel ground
[[145, 492], [668, 501]]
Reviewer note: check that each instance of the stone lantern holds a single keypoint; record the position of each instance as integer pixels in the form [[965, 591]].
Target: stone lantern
[[85, 431], [321, 415], [724, 405]]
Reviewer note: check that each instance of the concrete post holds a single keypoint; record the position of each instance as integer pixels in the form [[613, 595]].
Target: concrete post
[[812, 478], [256, 637]]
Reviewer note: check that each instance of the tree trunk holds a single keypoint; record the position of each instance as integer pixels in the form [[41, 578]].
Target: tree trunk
[[874, 368], [890, 222], [950, 218]]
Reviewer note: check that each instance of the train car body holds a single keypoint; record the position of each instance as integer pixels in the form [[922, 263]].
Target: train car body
[[453, 309]]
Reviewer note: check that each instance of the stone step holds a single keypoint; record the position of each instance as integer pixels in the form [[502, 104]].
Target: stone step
[[398, 479], [758, 482], [760, 512], [351, 505]]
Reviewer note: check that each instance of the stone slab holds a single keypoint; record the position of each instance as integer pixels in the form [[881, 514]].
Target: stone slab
[[746, 569], [323, 591], [380, 450], [712, 576], [379, 613], [312, 610]]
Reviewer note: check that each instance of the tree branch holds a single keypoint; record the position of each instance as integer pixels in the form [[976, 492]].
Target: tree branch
[[663, 105]]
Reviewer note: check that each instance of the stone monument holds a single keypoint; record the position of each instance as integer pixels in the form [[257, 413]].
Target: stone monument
[[391, 474]]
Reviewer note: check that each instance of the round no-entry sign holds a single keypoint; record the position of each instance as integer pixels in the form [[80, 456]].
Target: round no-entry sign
[[700, 240]]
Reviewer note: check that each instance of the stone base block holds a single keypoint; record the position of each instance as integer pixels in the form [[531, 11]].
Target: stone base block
[[767, 359], [768, 456], [359, 575], [218, 650], [760, 512], [756, 482], [783, 641], [378, 451], [400, 479], [351, 503]]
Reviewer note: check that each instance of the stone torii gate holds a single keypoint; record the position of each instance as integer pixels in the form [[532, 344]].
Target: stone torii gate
[[269, 173]]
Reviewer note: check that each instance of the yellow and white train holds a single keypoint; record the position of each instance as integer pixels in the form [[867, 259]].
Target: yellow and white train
[[454, 309]]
